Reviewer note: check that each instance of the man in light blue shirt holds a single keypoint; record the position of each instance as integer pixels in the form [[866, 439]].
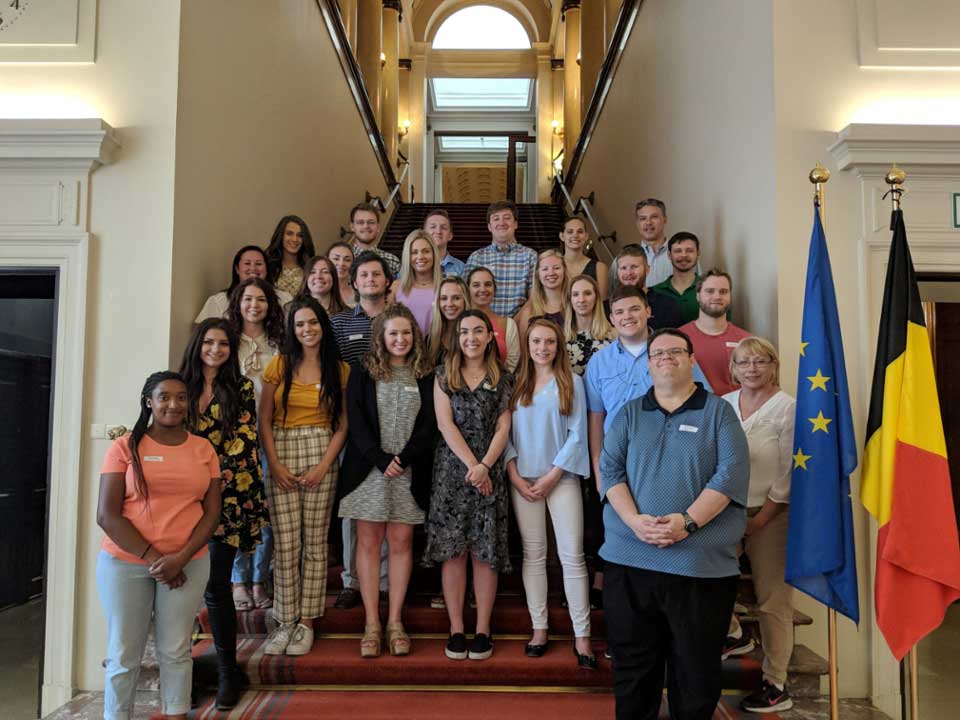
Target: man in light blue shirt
[[619, 372], [437, 226], [676, 469], [651, 217]]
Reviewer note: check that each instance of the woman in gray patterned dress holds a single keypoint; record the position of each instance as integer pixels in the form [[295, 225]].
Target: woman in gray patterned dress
[[468, 505], [385, 478]]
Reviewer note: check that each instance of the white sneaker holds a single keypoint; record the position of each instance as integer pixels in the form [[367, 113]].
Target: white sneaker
[[301, 640], [278, 639]]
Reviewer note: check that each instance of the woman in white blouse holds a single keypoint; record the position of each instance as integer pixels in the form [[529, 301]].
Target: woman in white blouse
[[767, 415], [546, 457]]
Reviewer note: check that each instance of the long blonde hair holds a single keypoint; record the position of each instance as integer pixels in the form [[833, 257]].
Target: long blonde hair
[[538, 296], [377, 359], [441, 329], [600, 327], [526, 375], [407, 273], [453, 361]]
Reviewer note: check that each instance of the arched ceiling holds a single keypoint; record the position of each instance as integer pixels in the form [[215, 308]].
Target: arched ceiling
[[534, 15]]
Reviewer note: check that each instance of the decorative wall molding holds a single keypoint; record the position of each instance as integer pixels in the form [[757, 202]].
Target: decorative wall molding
[[898, 34], [45, 168], [45, 31], [925, 148]]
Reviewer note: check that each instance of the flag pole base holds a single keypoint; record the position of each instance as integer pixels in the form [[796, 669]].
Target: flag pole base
[[832, 646]]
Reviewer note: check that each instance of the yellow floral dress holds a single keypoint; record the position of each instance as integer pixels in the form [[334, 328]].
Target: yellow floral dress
[[244, 510]]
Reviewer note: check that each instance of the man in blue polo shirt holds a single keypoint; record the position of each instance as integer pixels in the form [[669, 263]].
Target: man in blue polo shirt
[[676, 468]]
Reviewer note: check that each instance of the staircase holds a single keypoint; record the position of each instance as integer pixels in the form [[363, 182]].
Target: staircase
[[538, 227], [425, 684]]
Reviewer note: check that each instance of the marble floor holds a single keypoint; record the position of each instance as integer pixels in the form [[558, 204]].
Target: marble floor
[[21, 637]]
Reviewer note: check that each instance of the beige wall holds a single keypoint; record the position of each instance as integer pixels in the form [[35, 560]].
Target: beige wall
[[266, 127], [133, 86], [696, 131]]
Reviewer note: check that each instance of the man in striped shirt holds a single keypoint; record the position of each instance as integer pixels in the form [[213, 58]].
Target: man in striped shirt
[[511, 263]]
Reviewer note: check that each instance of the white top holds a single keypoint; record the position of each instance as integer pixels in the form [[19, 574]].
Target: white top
[[254, 354], [218, 304], [769, 434], [542, 439]]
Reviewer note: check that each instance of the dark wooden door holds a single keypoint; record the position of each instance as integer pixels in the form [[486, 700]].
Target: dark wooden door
[[947, 343], [24, 432]]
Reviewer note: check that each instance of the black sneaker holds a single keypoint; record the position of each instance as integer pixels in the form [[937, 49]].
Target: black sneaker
[[769, 698], [734, 646], [482, 647], [456, 647]]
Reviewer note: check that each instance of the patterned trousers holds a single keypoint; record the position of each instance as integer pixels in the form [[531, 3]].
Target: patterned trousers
[[301, 518]]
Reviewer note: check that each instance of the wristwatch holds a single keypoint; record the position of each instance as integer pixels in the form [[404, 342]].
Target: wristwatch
[[689, 524]]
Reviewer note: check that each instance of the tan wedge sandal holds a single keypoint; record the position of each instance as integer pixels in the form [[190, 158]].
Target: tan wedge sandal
[[370, 642], [398, 642]]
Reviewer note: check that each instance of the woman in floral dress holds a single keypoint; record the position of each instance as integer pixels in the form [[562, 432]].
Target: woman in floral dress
[[469, 501], [222, 409], [588, 329]]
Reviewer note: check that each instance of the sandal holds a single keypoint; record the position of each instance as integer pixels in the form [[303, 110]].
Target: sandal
[[398, 642], [370, 642], [241, 598], [260, 598]]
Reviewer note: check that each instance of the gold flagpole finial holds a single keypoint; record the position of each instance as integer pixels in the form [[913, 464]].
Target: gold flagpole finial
[[819, 176], [894, 178]]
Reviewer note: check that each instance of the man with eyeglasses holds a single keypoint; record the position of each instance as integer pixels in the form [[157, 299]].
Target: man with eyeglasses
[[365, 226], [714, 337], [675, 471]]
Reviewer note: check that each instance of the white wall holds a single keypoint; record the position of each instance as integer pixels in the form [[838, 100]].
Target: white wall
[[689, 120]]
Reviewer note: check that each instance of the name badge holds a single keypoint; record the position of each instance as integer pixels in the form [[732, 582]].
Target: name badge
[[688, 428], [356, 337], [153, 458], [409, 389], [732, 344]]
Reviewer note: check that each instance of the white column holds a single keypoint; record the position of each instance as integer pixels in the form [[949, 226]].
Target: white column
[[417, 114], [571, 77], [545, 117]]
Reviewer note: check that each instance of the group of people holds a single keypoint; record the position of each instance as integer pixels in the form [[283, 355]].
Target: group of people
[[423, 390]]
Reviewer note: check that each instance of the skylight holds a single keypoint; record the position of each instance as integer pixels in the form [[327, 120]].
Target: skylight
[[478, 144], [481, 27], [481, 93]]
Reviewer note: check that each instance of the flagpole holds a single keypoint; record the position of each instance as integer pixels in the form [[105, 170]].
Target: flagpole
[[819, 177], [895, 179]]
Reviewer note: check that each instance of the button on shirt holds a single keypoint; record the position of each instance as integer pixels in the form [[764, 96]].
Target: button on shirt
[[614, 377], [512, 267], [452, 266], [697, 446]]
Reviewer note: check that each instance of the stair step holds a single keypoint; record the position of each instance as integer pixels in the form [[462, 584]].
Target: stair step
[[439, 705]]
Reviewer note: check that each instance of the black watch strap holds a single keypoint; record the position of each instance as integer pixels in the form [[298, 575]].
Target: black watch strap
[[689, 524]]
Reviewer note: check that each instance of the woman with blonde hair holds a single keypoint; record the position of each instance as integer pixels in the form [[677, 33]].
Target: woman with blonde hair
[[419, 277], [575, 237], [546, 457], [483, 289], [767, 415], [387, 469], [586, 328], [550, 289], [452, 299]]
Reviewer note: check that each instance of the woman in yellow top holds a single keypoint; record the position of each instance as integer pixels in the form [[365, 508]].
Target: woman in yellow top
[[303, 427]]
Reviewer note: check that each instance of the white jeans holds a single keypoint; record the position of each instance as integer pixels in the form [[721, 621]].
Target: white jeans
[[566, 512]]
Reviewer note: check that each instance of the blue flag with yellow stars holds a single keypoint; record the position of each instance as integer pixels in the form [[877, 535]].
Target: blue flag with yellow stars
[[820, 551]]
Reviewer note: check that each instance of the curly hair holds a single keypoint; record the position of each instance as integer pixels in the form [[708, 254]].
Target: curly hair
[[377, 359]]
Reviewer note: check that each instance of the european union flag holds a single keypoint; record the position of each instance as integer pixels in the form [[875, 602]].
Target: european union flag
[[820, 552]]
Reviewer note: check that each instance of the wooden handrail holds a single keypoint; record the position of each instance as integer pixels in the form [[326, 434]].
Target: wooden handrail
[[618, 42], [351, 69]]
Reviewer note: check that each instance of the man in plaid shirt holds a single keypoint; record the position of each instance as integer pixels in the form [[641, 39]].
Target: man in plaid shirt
[[511, 263]]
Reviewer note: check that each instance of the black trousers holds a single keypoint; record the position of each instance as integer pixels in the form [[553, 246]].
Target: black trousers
[[219, 599], [658, 621]]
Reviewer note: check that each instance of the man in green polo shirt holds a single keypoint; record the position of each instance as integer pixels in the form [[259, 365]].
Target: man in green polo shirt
[[684, 251]]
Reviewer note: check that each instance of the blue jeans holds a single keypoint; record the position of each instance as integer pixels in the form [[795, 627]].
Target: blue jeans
[[130, 597]]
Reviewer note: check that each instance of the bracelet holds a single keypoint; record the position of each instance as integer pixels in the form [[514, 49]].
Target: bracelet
[[485, 465], [146, 550]]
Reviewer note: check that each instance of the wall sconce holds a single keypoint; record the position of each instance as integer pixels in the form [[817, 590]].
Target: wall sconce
[[403, 130], [383, 59], [557, 130], [578, 58]]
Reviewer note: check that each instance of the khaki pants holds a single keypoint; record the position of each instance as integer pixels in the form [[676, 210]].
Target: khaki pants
[[767, 550]]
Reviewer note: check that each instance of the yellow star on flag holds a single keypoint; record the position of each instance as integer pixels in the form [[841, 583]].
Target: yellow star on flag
[[800, 460], [818, 381], [803, 346], [820, 422]]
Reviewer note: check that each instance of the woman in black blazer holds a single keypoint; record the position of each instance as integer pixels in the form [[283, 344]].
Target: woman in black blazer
[[386, 473]]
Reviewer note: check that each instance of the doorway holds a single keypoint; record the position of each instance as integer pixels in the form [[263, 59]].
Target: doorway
[[28, 301], [482, 167]]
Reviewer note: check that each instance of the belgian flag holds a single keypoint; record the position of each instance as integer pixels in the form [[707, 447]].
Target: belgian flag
[[906, 481]]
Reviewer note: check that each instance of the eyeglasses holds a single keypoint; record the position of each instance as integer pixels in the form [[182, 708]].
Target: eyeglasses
[[673, 353], [753, 362]]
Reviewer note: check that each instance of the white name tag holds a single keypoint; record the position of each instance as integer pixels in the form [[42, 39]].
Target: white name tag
[[409, 389], [732, 344], [356, 337], [688, 428], [153, 458]]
